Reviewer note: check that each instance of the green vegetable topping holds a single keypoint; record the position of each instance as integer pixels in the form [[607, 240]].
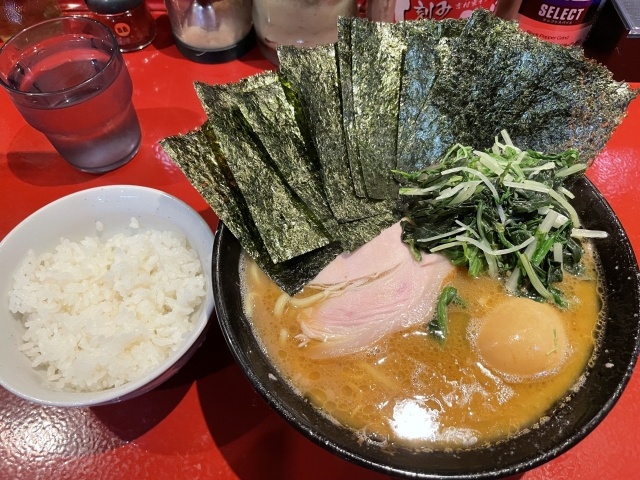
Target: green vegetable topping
[[505, 211], [439, 325]]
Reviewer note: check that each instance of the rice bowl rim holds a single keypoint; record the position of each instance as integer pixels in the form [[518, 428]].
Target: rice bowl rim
[[198, 232]]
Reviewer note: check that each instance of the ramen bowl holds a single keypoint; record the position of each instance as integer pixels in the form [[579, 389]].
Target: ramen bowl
[[568, 421]]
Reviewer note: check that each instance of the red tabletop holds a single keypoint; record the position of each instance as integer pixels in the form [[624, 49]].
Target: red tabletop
[[207, 421]]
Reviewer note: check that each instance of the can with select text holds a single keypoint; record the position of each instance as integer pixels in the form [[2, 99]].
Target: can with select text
[[566, 22]]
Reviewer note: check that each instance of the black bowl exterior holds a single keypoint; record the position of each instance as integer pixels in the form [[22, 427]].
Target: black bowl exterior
[[605, 379]]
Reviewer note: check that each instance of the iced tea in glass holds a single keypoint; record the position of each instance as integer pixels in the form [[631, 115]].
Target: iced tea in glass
[[67, 78]]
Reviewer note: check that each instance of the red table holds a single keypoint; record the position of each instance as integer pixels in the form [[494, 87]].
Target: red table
[[207, 421]]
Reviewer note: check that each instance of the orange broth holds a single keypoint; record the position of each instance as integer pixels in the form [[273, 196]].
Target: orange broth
[[409, 389]]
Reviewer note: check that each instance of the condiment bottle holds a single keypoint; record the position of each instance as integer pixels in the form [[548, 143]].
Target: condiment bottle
[[130, 20], [211, 31], [399, 10], [302, 23], [566, 22]]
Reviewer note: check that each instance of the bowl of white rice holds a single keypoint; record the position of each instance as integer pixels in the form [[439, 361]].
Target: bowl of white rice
[[105, 294]]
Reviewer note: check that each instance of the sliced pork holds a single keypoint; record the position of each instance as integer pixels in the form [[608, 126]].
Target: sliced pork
[[376, 290], [380, 255]]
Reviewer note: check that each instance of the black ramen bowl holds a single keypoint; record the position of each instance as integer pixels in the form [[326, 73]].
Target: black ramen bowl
[[569, 422]]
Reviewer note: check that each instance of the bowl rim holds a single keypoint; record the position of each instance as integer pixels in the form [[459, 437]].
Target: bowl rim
[[223, 234], [128, 390]]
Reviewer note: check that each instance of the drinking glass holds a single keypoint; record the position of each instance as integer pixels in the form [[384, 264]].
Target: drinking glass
[[67, 78]]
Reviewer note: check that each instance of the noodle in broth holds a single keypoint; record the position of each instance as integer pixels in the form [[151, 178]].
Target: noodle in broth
[[411, 390]]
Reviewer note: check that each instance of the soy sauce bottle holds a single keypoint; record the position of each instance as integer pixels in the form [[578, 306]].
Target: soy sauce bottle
[[130, 20]]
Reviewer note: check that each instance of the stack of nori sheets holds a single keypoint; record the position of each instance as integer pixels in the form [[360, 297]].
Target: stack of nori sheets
[[299, 164], [282, 189]]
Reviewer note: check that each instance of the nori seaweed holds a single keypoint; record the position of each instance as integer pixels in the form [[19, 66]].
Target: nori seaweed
[[263, 101], [548, 97], [377, 51], [198, 155], [355, 234], [292, 275], [462, 82], [269, 111], [313, 75], [287, 227], [272, 118], [348, 114], [427, 50]]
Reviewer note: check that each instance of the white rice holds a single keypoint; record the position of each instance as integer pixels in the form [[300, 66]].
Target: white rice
[[99, 315]]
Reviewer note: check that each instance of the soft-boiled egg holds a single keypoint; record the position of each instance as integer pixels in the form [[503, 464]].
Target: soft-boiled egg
[[522, 338]]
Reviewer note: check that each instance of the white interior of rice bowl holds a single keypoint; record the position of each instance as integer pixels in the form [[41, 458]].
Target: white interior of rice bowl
[[74, 217]]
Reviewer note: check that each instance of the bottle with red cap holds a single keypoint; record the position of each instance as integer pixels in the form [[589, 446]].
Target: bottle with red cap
[[130, 20]]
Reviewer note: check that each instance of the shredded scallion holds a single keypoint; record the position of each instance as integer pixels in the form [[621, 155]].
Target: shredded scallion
[[489, 251], [503, 210], [582, 233]]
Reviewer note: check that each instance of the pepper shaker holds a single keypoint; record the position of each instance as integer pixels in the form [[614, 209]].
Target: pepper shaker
[[211, 31], [302, 23]]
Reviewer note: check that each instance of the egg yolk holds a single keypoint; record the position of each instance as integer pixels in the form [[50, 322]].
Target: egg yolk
[[522, 338]]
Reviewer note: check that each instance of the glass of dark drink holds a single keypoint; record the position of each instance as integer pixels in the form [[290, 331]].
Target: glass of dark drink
[[67, 78]]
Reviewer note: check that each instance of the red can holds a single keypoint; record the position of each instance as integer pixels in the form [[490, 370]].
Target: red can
[[566, 22], [439, 9]]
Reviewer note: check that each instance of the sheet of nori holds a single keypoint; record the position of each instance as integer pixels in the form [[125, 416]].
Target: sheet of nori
[[605, 104], [428, 44], [272, 118], [292, 275], [355, 234], [263, 103], [198, 155], [377, 52], [348, 115], [287, 227], [312, 74], [548, 97]]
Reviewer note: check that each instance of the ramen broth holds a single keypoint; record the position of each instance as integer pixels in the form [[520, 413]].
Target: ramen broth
[[410, 389]]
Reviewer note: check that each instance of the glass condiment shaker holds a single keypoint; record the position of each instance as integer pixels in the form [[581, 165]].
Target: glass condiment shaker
[[130, 20], [303, 23], [16, 15], [211, 31]]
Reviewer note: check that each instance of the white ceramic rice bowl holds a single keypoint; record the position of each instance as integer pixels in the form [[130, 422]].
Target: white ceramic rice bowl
[[74, 217]]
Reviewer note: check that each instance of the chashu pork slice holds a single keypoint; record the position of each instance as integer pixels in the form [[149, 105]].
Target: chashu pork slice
[[376, 290], [379, 255]]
